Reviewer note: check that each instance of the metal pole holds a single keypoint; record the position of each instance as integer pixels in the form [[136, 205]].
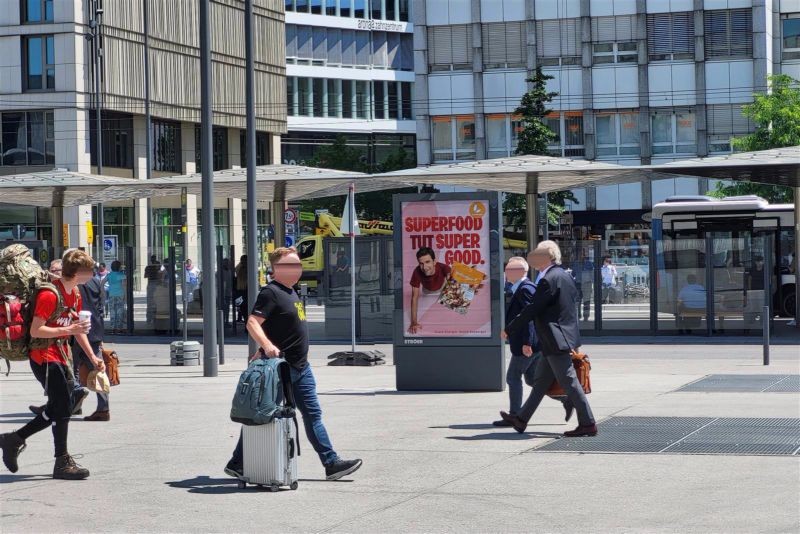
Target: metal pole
[[352, 215], [532, 215], [95, 26], [147, 118], [221, 337], [546, 228], [207, 148], [185, 233], [250, 151], [765, 333]]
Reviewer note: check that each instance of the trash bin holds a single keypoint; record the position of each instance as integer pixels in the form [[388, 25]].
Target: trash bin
[[184, 353]]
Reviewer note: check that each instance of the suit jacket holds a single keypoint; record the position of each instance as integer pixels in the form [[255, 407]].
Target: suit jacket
[[93, 299], [554, 312], [517, 302]]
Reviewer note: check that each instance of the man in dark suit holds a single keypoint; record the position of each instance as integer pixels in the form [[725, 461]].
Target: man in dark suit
[[525, 349], [554, 314]]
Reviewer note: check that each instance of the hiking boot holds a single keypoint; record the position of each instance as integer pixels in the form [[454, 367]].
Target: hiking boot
[[67, 469], [12, 446], [341, 468], [104, 415], [234, 470], [80, 396]]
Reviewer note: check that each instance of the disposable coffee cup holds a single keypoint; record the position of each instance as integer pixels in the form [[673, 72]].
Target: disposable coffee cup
[[85, 315]]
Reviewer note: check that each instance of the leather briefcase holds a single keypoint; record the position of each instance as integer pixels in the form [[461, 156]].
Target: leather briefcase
[[111, 362], [582, 368]]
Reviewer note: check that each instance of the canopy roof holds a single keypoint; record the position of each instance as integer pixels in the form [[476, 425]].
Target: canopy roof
[[292, 182]]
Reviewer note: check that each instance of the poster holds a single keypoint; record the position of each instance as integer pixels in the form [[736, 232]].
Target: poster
[[446, 269]]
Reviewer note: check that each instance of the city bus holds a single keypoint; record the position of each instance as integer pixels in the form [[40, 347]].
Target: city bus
[[737, 233]]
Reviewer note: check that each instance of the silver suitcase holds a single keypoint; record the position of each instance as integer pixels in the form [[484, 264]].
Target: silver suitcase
[[270, 454]]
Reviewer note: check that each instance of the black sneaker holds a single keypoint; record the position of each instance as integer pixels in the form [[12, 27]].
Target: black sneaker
[[12, 446], [234, 470], [79, 397], [37, 410], [341, 468], [66, 469]]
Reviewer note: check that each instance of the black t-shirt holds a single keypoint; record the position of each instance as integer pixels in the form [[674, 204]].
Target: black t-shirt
[[284, 322]]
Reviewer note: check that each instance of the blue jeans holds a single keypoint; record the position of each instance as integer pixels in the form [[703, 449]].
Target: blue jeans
[[304, 387], [518, 367]]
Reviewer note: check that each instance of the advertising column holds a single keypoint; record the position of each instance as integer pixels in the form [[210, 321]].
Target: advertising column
[[448, 292]]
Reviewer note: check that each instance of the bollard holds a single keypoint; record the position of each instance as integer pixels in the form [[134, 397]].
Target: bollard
[[221, 337], [765, 333]]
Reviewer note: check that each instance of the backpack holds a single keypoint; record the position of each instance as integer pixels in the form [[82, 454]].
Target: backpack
[[264, 393], [21, 279]]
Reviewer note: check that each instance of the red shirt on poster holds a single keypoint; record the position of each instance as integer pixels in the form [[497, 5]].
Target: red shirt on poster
[[431, 283], [46, 302]]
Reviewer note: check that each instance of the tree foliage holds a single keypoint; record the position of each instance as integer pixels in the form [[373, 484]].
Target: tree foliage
[[533, 139], [777, 118], [341, 156], [776, 114]]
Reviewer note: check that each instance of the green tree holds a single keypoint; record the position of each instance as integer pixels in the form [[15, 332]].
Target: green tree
[[777, 118], [375, 205], [534, 138]]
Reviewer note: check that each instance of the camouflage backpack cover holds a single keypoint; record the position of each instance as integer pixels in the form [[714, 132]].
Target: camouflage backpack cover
[[21, 279]]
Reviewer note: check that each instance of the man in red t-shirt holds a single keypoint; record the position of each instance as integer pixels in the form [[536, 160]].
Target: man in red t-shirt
[[428, 274], [51, 365]]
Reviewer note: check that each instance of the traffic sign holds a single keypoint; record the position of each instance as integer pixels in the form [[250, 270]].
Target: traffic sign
[[289, 241], [290, 216], [110, 247]]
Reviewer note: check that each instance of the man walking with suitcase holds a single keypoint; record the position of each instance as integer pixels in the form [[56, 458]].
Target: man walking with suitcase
[[277, 323]]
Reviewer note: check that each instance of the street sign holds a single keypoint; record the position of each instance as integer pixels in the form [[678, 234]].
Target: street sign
[[291, 229], [290, 216], [289, 240], [110, 248], [65, 235], [89, 232]]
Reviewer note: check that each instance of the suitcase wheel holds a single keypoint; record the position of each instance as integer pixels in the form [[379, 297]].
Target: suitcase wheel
[[273, 489], [242, 484], [293, 486]]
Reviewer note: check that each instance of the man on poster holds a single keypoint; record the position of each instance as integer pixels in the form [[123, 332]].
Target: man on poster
[[429, 275]]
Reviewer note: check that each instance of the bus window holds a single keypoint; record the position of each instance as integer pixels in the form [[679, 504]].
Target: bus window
[[787, 250]]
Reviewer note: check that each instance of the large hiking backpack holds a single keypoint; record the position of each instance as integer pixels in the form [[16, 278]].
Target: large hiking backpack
[[264, 393], [21, 279]]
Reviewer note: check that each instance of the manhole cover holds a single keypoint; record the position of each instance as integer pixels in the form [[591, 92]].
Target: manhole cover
[[745, 384], [687, 435]]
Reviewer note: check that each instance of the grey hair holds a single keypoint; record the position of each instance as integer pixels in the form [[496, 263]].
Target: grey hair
[[552, 250], [522, 261]]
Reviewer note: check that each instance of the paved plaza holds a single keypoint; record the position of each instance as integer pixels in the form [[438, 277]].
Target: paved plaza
[[432, 461]]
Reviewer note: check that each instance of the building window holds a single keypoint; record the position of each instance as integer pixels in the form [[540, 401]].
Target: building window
[[404, 8], [790, 36], [219, 141], [376, 12], [504, 45], [166, 146], [360, 9], [450, 47], [568, 127], [614, 53], [289, 5], [381, 100], [670, 36], [724, 122], [502, 135], [674, 132], [39, 63], [453, 138], [27, 138], [117, 139], [362, 99], [728, 33], [617, 134], [37, 11], [558, 42], [316, 7], [262, 148]]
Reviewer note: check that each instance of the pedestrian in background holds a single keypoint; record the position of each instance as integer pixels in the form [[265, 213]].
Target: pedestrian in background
[[116, 283]]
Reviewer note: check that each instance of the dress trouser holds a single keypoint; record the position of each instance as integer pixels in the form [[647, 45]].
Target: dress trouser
[[558, 367]]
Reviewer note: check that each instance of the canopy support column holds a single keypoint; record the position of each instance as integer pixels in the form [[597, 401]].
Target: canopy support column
[[532, 211]]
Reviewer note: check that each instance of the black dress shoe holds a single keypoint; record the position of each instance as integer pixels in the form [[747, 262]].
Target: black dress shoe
[[501, 422], [588, 430], [37, 410], [518, 424], [569, 409]]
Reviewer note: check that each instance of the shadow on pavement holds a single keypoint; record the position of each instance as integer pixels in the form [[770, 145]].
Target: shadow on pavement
[[5, 479], [207, 485], [506, 436]]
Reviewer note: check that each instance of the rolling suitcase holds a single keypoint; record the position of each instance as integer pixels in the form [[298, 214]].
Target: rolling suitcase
[[270, 454]]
